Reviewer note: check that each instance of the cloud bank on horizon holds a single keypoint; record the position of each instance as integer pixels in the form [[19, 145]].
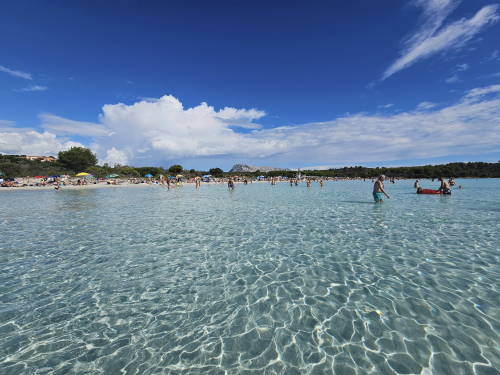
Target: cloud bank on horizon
[[432, 37], [163, 129]]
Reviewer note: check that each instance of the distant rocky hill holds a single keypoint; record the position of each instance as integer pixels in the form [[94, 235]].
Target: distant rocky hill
[[251, 168]]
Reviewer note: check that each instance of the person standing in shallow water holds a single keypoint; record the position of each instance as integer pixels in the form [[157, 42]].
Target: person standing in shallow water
[[378, 190], [445, 186]]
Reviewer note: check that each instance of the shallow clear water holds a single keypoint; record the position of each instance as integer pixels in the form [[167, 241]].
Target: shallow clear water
[[264, 280]]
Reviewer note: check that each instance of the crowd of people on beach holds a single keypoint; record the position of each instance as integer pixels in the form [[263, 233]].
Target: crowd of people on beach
[[61, 181]]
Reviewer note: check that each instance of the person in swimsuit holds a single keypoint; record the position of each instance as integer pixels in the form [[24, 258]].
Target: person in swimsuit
[[230, 184], [58, 184], [445, 186], [378, 190]]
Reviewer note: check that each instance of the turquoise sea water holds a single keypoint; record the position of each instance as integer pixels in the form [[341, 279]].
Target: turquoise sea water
[[261, 280]]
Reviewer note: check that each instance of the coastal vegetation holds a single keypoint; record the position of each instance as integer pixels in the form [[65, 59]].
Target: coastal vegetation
[[175, 169], [19, 166], [470, 169], [79, 159], [217, 172]]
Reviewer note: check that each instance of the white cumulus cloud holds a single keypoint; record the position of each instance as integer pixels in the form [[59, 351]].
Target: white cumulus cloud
[[62, 126], [155, 132], [20, 141], [165, 127], [165, 130], [114, 157]]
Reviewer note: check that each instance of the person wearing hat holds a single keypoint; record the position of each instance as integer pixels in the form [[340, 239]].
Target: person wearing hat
[[378, 189]]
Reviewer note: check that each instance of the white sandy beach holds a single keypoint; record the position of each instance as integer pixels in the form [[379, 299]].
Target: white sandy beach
[[111, 186], [76, 187]]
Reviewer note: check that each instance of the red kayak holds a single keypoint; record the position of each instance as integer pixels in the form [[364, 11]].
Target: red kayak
[[429, 191]]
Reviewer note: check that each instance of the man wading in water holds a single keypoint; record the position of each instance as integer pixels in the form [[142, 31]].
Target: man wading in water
[[378, 190]]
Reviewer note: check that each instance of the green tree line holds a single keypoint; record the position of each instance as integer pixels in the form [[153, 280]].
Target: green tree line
[[79, 159], [471, 169]]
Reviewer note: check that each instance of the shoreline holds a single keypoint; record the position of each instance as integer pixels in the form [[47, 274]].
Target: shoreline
[[131, 185], [106, 186], [70, 187]]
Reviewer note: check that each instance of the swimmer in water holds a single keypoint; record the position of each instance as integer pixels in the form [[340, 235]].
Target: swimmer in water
[[230, 184]]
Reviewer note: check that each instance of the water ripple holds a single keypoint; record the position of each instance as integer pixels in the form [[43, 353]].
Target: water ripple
[[263, 280]]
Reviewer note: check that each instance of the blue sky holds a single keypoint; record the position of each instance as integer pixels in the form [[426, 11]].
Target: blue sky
[[288, 84]]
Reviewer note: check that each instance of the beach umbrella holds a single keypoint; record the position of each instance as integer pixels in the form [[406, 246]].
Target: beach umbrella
[[40, 176], [82, 174], [149, 175], [113, 175], [179, 176]]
